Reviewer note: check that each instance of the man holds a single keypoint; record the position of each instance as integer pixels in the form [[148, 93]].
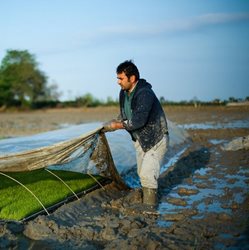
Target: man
[[141, 114]]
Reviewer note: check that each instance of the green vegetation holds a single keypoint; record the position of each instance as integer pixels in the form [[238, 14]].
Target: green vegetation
[[24, 85], [17, 203], [195, 102], [88, 100]]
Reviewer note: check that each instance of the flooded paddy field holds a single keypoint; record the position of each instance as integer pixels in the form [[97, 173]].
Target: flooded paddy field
[[203, 192]]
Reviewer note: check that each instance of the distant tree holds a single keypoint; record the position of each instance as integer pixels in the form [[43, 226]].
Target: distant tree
[[247, 98], [162, 100], [232, 99], [110, 101], [216, 101], [6, 95], [195, 101], [52, 93], [21, 81], [87, 100]]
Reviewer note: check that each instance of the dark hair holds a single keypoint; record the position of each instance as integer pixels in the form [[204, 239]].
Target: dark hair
[[129, 68]]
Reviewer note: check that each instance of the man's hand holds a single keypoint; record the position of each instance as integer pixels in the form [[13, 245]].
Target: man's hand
[[112, 126], [108, 126]]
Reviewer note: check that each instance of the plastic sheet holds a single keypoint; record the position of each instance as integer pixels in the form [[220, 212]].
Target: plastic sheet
[[81, 160]]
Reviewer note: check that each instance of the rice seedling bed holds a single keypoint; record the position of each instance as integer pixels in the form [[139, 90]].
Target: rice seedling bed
[[17, 203]]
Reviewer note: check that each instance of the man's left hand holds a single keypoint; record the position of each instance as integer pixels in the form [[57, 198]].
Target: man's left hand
[[112, 126], [109, 126]]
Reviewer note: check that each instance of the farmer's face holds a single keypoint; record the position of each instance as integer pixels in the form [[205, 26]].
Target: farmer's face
[[125, 82]]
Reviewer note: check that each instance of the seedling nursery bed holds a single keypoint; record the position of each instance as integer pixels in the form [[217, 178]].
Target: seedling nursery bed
[[26, 194]]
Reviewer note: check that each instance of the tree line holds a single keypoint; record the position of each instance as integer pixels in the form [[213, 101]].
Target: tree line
[[24, 85]]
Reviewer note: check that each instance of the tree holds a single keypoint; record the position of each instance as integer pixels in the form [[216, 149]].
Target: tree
[[110, 101], [52, 93], [232, 99], [87, 100], [216, 101], [162, 100], [21, 81]]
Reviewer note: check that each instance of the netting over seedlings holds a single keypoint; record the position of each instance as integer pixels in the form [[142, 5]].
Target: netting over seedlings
[[89, 153], [76, 149]]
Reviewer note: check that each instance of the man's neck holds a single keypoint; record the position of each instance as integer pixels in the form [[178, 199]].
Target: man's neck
[[133, 87]]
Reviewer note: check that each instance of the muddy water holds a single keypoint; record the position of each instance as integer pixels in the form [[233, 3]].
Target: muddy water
[[203, 204]]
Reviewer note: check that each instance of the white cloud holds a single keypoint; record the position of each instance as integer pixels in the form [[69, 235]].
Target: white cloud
[[176, 26], [101, 35]]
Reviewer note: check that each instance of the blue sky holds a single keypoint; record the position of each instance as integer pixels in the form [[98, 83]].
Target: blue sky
[[185, 49]]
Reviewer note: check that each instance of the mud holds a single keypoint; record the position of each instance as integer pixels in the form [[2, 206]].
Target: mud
[[203, 203]]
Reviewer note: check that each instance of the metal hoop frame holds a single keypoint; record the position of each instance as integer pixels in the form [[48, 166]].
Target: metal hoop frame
[[13, 179]]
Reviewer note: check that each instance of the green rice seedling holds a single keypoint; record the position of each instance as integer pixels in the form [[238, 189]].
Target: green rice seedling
[[17, 203]]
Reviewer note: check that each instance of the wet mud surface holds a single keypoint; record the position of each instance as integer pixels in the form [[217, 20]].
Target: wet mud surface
[[203, 204]]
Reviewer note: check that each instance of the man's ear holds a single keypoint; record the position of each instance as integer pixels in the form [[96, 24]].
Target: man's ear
[[133, 79]]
